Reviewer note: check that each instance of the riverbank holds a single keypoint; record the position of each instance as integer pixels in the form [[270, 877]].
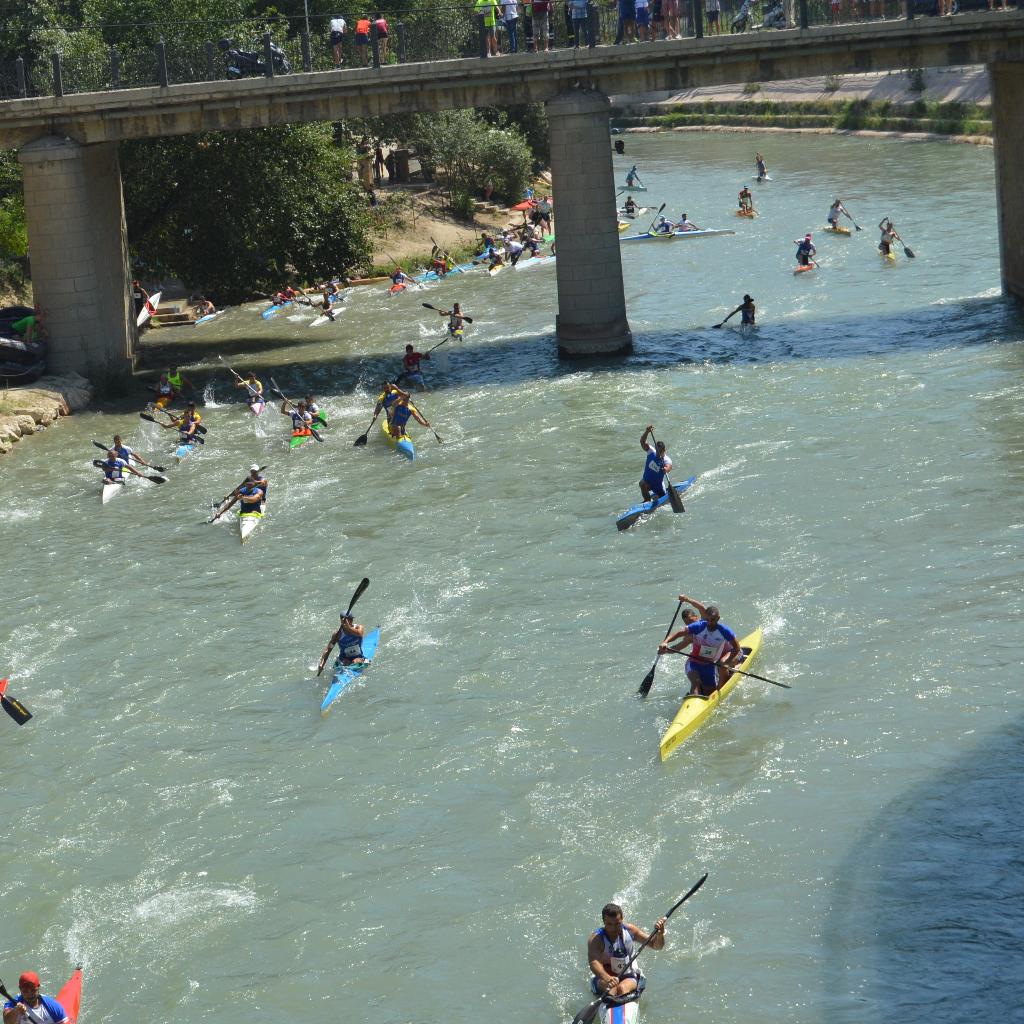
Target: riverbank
[[26, 411]]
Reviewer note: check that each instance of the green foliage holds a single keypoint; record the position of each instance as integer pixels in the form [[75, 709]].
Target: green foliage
[[13, 234], [530, 119], [237, 212]]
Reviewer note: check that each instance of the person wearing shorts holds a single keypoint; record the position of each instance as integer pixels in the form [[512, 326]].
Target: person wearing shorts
[[363, 39], [337, 38], [670, 12], [713, 10], [643, 19], [627, 22]]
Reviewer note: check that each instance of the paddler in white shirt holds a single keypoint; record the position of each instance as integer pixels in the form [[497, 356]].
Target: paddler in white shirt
[[610, 948]]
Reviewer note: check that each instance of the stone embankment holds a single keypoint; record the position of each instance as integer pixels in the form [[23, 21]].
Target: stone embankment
[[27, 410]]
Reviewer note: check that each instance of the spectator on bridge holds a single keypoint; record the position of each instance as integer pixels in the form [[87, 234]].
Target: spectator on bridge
[[627, 21], [382, 36], [642, 12], [541, 14], [580, 11], [510, 16], [363, 39], [338, 27], [657, 20], [670, 12], [713, 10], [488, 10]]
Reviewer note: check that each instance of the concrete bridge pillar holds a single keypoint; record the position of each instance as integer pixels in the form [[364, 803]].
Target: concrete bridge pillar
[[1007, 84], [78, 249], [591, 301]]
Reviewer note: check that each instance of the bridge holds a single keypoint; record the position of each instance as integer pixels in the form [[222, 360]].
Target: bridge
[[67, 146]]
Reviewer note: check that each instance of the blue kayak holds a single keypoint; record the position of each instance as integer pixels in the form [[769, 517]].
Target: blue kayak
[[345, 674], [630, 516], [274, 310]]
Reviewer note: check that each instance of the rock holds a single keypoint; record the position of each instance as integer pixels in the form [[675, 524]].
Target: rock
[[24, 410], [10, 430]]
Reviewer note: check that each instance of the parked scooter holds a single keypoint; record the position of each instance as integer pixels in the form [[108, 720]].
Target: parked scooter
[[744, 17], [246, 63], [775, 16]]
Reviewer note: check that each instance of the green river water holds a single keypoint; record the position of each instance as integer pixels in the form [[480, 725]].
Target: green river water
[[182, 821]]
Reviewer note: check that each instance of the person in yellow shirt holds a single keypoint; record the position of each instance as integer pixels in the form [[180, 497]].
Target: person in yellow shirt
[[489, 10]]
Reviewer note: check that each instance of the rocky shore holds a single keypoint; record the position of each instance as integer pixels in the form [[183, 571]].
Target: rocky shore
[[28, 410]]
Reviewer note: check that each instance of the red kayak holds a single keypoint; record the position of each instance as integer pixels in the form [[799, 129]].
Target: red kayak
[[526, 204], [70, 996], [396, 288]]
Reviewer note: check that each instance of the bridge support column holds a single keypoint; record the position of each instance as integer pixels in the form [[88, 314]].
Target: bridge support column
[[591, 300], [1007, 84], [78, 246]]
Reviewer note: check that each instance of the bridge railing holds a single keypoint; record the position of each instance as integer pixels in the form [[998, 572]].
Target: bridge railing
[[192, 52]]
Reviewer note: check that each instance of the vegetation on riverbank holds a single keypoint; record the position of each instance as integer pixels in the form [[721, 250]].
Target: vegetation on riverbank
[[854, 115]]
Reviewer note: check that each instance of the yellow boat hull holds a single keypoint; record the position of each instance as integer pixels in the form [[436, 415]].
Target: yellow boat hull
[[695, 711]]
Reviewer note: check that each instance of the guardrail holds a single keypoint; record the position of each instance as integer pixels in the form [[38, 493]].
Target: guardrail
[[195, 52]]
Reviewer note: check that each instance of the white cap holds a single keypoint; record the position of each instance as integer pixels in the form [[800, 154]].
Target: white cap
[[254, 468]]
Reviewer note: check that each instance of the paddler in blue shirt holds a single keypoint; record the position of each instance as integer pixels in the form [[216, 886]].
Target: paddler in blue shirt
[[713, 649], [31, 1006], [349, 638], [113, 467], [185, 424], [610, 948], [805, 250], [128, 454], [633, 179], [387, 398], [652, 484], [399, 413]]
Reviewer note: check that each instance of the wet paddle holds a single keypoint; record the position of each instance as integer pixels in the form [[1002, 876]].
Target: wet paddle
[[106, 448], [253, 393], [363, 584], [907, 250], [228, 497], [732, 668], [656, 216], [153, 479], [200, 429], [588, 1013], [429, 427], [645, 686], [673, 495], [361, 439], [277, 391], [446, 312], [21, 715]]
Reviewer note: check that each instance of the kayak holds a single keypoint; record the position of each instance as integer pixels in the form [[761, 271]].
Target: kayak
[[274, 310], [838, 230], [889, 256], [625, 225], [800, 269], [632, 188], [345, 674], [646, 508], [746, 213], [403, 444], [247, 523], [257, 406], [536, 261], [667, 236], [620, 1013], [148, 309], [495, 270], [298, 440], [209, 316], [183, 450], [368, 280], [396, 288], [111, 491], [323, 318], [70, 996], [766, 177], [696, 710]]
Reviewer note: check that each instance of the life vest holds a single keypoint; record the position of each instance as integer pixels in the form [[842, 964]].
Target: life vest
[[175, 381], [617, 953], [300, 423], [400, 416], [113, 469], [655, 467], [248, 490]]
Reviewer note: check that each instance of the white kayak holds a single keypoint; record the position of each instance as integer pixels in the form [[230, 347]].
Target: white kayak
[[666, 236], [324, 318], [111, 491], [536, 261], [247, 523], [148, 309]]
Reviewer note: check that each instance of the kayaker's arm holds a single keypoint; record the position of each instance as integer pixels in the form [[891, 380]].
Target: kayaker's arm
[[327, 649], [234, 497], [701, 609], [283, 410], [646, 434], [595, 954], [417, 417], [639, 935]]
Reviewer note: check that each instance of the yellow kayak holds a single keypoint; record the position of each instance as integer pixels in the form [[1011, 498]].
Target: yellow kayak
[[696, 710], [402, 444], [837, 230]]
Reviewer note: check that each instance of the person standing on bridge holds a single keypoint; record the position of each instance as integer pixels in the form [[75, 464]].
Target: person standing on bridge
[[363, 39], [511, 18], [338, 27], [713, 10], [541, 14], [488, 10]]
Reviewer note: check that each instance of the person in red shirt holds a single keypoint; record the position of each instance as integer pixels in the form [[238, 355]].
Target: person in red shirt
[[411, 366]]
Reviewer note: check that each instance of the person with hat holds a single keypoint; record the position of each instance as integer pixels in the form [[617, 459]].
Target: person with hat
[[349, 638], [652, 484], [746, 201], [32, 1007], [805, 250]]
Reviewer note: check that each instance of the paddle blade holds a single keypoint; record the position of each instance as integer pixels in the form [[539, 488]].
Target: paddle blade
[[716, 326], [159, 469], [360, 440], [587, 1015], [363, 584], [146, 416], [645, 686], [157, 479], [427, 305], [909, 252], [675, 500], [15, 709]]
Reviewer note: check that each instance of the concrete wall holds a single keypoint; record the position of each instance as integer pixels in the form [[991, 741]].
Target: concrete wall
[[1008, 135], [79, 255]]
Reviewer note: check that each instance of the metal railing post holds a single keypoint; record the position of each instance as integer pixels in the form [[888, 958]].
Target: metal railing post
[[161, 64], [697, 14], [19, 71], [375, 44], [481, 19], [210, 72], [401, 43], [58, 75], [115, 68], [307, 57], [527, 20], [268, 56], [910, 10], [804, 18]]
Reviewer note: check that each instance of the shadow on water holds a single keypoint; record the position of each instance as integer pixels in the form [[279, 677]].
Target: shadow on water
[[928, 916], [513, 360]]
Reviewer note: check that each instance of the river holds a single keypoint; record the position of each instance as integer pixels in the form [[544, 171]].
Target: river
[[183, 822]]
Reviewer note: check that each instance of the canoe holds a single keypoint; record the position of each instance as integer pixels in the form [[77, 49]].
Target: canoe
[[495, 270], [647, 508], [396, 288], [298, 440], [696, 710], [746, 213], [536, 261], [247, 523], [838, 231], [274, 310], [624, 1013], [70, 996], [111, 491], [209, 316], [800, 269], [345, 674], [667, 236], [257, 407], [403, 444]]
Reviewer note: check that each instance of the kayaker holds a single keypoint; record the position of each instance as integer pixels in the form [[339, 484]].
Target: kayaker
[[185, 424], [494, 259], [805, 250], [128, 454], [139, 296], [747, 311], [833, 214], [203, 307], [488, 242], [762, 167], [163, 392], [326, 302], [399, 413], [251, 495], [179, 381], [455, 320], [633, 179], [31, 1006], [398, 276], [254, 390], [746, 199], [349, 638], [390, 394], [610, 948], [439, 261], [113, 467], [657, 464], [888, 230], [314, 410], [685, 224], [411, 366], [302, 421], [27, 327], [714, 648], [663, 227], [629, 207]]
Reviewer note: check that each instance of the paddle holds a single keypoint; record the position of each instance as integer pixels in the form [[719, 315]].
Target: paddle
[[852, 221], [252, 391], [7, 995], [645, 686], [361, 439], [446, 312], [227, 497], [21, 715], [199, 427], [907, 250], [673, 495], [429, 427], [153, 479], [106, 448], [408, 279], [587, 1015], [363, 584], [727, 319], [732, 668], [277, 391]]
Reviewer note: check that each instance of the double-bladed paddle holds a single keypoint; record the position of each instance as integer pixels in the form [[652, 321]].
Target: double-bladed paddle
[[673, 495], [446, 312], [361, 439], [21, 715], [907, 250], [588, 1013], [732, 668], [106, 448], [200, 429], [228, 497], [645, 686], [429, 427], [363, 584], [98, 463], [252, 391], [284, 398]]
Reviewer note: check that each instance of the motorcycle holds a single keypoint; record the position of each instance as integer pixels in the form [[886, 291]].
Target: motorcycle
[[245, 63], [775, 16], [744, 17]]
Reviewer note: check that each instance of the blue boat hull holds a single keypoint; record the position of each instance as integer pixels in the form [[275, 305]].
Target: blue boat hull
[[630, 516], [345, 674]]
